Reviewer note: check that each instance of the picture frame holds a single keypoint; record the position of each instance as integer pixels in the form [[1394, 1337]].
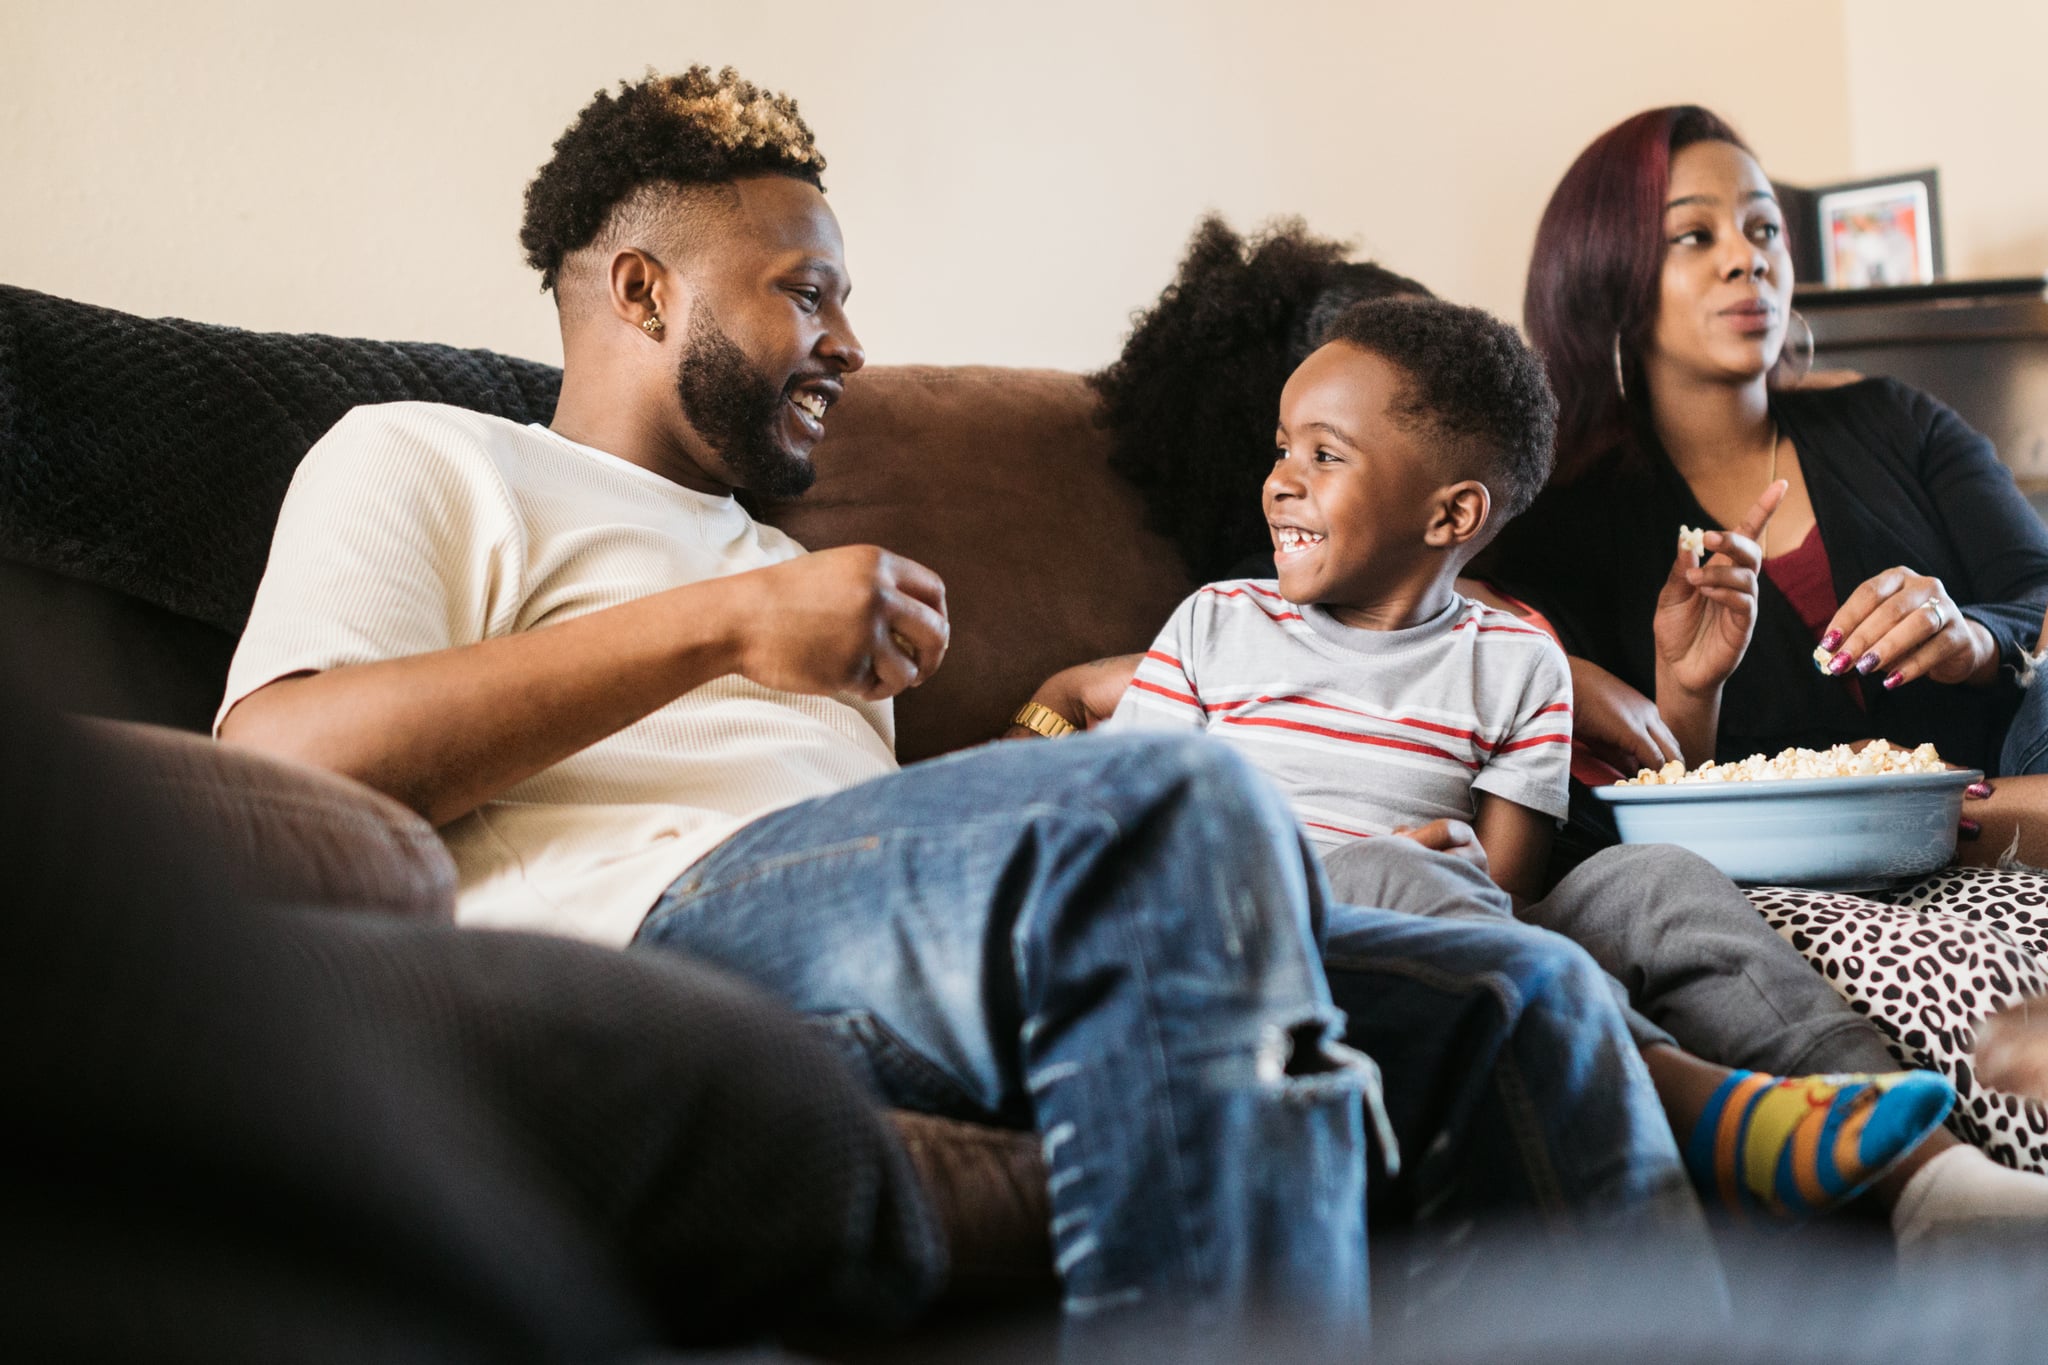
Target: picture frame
[[1876, 233]]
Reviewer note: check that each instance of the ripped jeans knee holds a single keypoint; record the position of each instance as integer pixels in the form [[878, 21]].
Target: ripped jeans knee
[[1308, 1064]]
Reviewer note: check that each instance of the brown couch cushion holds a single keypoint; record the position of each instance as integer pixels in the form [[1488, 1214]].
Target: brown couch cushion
[[292, 833], [998, 480]]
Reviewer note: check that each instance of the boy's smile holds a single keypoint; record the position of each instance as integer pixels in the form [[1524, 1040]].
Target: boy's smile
[[1350, 496]]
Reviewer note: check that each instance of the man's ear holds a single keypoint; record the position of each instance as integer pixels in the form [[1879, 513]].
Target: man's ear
[[642, 290], [1459, 513]]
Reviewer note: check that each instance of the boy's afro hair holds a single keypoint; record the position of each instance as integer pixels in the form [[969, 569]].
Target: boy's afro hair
[[1469, 379], [1191, 403], [691, 129]]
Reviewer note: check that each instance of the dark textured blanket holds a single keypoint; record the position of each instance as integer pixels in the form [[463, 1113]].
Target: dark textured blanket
[[151, 456]]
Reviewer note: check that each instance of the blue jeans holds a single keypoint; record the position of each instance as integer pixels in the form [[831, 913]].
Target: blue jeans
[[1119, 940], [2026, 740]]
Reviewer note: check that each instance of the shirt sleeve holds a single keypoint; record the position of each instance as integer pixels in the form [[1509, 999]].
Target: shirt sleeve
[[395, 538], [1163, 695], [2000, 539], [1531, 763]]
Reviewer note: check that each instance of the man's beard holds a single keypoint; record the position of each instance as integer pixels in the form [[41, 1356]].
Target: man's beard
[[738, 409]]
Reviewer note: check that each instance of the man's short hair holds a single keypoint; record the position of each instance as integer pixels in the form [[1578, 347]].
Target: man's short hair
[[695, 129], [1471, 386]]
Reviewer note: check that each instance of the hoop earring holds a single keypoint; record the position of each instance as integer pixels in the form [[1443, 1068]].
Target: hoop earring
[[1797, 369], [654, 326], [1620, 384]]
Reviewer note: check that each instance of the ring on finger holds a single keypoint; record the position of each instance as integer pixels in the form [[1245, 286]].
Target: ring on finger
[[1938, 612], [909, 650]]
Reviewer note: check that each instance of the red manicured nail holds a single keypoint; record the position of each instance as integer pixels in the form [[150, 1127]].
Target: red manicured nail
[[1967, 828], [1867, 662], [1840, 663], [1830, 640], [1893, 679], [1977, 791]]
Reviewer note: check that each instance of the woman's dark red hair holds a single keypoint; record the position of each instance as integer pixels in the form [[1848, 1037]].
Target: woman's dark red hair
[[1595, 274]]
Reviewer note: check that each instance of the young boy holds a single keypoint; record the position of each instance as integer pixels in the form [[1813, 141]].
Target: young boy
[[1384, 703]]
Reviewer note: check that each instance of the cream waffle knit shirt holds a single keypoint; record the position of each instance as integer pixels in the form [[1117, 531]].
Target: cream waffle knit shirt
[[413, 527]]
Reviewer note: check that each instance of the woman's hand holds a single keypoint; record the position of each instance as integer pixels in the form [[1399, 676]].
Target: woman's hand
[[1706, 612], [1905, 625], [1618, 724]]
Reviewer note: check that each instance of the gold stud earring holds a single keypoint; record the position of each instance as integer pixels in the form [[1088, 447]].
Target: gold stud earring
[[654, 326]]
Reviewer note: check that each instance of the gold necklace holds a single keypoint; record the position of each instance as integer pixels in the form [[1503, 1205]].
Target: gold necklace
[[1764, 547]]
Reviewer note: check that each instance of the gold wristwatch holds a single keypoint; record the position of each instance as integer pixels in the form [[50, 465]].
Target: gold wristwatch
[[1043, 720]]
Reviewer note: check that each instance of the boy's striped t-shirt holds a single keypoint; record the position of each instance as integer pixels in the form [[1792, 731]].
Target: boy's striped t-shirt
[[1366, 730]]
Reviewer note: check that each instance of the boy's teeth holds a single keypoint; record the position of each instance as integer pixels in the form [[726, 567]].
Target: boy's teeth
[[811, 404]]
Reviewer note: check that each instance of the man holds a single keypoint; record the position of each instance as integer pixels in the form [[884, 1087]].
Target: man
[[641, 717]]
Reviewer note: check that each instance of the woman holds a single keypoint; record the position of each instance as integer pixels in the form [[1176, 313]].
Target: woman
[[1869, 530]]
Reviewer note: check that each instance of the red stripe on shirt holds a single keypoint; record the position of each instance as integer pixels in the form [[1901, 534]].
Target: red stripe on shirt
[[1500, 630], [1165, 658], [1167, 692], [1240, 592], [1512, 627], [1339, 829], [1384, 742], [1434, 727], [1533, 741]]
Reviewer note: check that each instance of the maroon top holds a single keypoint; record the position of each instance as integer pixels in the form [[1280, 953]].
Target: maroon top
[[1807, 581]]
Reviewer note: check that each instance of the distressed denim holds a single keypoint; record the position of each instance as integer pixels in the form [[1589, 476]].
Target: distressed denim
[[1116, 940]]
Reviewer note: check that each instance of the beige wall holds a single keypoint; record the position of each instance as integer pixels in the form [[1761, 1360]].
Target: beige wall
[[1013, 179], [1960, 88]]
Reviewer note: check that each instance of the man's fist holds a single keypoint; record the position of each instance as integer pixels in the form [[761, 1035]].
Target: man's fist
[[855, 620]]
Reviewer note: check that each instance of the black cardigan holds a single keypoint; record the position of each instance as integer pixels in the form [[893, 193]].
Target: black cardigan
[[1896, 478]]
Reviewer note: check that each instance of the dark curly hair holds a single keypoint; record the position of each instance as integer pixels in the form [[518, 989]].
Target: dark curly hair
[[1470, 383], [692, 129], [1191, 403]]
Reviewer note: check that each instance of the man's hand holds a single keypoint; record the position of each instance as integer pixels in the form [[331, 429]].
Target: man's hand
[[1454, 837], [1085, 695], [855, 620], [1617, 723], [448, 730]]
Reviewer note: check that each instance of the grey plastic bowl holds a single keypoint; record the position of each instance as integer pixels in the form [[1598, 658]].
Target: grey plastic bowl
[[1842, 833]]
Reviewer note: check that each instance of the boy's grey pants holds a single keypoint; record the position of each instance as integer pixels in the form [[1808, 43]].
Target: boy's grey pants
[[1690, 961]]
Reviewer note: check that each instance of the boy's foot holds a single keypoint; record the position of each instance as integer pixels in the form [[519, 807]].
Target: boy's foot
[[1800, 1145]]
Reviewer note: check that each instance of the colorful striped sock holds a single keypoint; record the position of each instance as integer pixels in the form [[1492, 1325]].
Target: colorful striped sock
[[1800, 1145]]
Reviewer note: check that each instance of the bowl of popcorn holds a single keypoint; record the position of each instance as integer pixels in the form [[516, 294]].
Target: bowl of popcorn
[[1846, 818]]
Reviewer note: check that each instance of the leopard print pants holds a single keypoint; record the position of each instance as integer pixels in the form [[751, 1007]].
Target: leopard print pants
[[1926, 963]]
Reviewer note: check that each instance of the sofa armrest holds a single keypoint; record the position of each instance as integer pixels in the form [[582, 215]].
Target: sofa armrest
[[987, 1186], [289, 832]]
